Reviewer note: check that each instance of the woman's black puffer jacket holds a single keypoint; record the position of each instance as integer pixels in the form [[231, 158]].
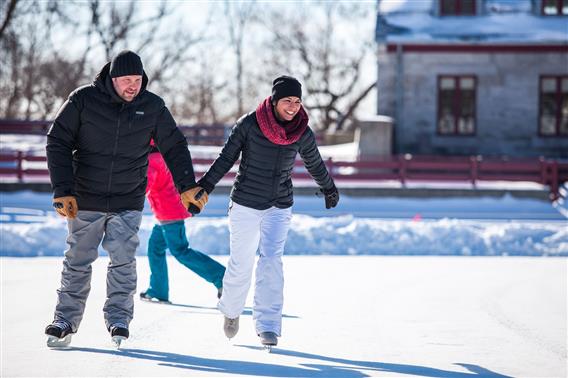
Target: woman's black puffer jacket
[[264, 178]]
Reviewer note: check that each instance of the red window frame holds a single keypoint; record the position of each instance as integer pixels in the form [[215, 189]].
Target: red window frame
[[457, 106], [561, 7], [459, 10], [558, 100]]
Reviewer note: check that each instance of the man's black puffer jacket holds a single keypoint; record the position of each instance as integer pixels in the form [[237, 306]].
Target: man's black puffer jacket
[[98, 145], [264, 176]]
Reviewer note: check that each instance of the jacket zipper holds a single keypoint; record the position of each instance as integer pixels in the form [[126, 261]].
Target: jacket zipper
[[113, 157], [277, 172]]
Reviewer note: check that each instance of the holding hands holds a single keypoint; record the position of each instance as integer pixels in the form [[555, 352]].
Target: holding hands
[[194, 199]]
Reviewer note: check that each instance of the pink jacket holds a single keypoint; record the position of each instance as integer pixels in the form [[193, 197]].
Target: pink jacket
[[161, 192]]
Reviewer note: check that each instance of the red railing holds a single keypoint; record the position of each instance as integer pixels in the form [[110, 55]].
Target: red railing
[[21, 167]]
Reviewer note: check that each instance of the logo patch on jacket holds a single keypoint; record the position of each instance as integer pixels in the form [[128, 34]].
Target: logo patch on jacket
[[138, 112]]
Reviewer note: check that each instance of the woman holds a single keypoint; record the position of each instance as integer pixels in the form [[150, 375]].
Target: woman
[[261, 199]]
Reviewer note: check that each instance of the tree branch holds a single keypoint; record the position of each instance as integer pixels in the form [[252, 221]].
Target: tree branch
[[9, 15]]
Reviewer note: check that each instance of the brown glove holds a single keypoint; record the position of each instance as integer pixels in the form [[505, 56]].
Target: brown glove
[[66, 206], [195, 196]]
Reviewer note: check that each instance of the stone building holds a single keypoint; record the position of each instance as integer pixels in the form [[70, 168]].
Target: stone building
[[475, 77]]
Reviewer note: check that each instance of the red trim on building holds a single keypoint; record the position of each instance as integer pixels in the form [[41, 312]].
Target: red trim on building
[[463, 48]]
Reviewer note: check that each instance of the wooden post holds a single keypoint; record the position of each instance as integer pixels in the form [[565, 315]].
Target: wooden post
[[19, 166], [543, 170], [402, 167], [474, 170], [554, 187], [329, 164]]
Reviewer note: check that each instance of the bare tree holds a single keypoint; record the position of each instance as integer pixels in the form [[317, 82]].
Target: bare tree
[[308, 43], [238, 14], [10, 74], [26, 48], [118, 25], [200, 102], [8, 8], [37, 73]]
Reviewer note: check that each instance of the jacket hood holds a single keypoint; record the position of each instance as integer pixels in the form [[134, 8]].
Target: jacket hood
[[103, 78]]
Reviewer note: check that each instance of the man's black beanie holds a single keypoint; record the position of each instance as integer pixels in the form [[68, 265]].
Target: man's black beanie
[[126, 63], [284, 86]]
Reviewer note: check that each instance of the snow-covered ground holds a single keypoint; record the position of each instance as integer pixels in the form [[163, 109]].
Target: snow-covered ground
[[497, 21], [358, 226], [345, 316]]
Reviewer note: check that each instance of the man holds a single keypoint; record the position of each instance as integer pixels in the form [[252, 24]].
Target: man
[[97, 155]]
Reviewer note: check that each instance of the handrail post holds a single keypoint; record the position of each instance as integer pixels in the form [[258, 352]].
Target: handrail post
[[19, 166], [543, 170], [474, 167], [402, 169], [329, 164], [554, 187]]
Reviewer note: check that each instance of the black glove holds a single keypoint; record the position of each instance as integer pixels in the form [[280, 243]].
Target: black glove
[[331, 197]]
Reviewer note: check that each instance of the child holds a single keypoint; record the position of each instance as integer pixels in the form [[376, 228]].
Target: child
[[169, 233]]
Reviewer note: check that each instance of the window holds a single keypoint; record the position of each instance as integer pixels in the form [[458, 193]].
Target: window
[[553, 113], [456, 105], [555, 7], [457, 7]]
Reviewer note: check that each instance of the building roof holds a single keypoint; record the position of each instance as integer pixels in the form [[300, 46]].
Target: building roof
[[500, 21]]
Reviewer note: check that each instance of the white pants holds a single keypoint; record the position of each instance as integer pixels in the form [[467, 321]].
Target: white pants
[[252, 230]]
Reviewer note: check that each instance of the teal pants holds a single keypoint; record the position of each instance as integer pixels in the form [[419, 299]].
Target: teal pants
[[172, 236]]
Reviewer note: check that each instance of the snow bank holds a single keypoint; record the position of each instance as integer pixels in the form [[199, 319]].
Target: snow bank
[[334, 236]]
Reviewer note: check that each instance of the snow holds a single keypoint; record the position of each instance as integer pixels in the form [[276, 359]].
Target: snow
[[358, 226], [357, 316], [503, 21], [426, 6], [404, 6]]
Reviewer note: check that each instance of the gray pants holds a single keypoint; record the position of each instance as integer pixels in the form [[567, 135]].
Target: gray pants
[[119, 235]]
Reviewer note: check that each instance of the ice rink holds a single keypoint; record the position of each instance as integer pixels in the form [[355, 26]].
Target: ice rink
[[344, 316]]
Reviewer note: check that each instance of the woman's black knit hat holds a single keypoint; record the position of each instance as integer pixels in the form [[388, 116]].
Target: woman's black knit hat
[[284, 86], [126, 63]]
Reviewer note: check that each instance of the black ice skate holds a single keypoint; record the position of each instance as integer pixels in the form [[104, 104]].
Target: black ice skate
[[58, 334], [148, 298], [268, 340], [119, 333], [231, 327]]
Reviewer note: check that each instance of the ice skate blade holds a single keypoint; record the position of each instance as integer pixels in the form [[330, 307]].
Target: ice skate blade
[[55, 342], [117, 340], [155, 300], [268, 348]]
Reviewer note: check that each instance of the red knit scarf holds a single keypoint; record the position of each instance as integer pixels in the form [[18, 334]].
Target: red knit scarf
[[277, 133]]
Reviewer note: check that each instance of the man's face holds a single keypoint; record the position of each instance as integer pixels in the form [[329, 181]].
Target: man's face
[[127, 87], [287, 107]]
